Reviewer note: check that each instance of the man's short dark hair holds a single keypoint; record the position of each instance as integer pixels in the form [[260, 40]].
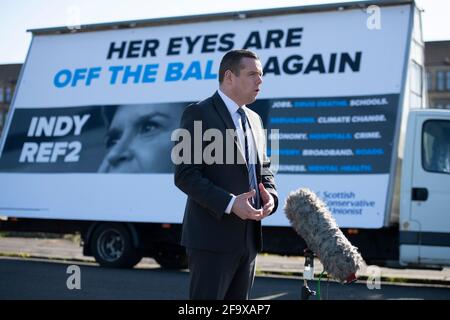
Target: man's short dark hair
[[232, 61]]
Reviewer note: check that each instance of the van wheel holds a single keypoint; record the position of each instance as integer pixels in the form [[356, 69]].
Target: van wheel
[[171, 257], [112, 247]]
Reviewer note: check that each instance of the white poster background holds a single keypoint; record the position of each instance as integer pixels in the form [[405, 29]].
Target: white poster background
[[323, 33], [153, 197]]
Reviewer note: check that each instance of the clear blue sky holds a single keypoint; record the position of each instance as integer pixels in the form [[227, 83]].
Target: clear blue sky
[[16, 16]]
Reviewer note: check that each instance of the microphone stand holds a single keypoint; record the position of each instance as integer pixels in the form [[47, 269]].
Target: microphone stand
[[308, 274]]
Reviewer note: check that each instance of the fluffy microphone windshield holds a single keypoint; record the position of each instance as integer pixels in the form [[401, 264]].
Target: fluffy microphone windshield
[[312, 220]]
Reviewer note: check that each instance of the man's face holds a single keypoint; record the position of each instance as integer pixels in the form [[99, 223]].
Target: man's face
[[245, 87], [138, 139]]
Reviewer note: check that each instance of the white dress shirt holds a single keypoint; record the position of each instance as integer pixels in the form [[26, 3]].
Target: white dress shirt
[[233, 108]]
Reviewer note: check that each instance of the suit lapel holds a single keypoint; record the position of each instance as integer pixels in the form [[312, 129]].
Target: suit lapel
[[223, 112]]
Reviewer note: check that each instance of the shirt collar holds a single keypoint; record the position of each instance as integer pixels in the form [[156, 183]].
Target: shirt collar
[[230, 104]]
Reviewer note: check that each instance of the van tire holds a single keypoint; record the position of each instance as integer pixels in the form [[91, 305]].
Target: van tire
[[112, 247], [171, 257]]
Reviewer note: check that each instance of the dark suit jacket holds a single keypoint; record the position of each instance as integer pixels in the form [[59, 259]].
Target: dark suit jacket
[[206, 226]]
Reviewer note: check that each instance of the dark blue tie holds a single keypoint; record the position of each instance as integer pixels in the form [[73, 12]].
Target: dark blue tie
[[250, 166]]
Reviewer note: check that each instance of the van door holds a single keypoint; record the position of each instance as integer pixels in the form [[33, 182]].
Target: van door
[[430, 191]]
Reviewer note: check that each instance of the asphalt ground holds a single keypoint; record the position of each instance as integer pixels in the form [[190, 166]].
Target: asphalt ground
[[270, 265], [44, 279]]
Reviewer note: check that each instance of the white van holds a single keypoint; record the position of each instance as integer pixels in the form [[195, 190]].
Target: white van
[[425, 190], [87, 143]]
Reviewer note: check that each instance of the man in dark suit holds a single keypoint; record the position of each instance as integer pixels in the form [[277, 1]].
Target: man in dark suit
[[226, 199]]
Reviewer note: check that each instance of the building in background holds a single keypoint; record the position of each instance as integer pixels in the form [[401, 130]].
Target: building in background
[[437, 64], [9, 74]]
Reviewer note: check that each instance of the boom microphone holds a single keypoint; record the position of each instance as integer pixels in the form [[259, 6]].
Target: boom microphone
[[312, 220]]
